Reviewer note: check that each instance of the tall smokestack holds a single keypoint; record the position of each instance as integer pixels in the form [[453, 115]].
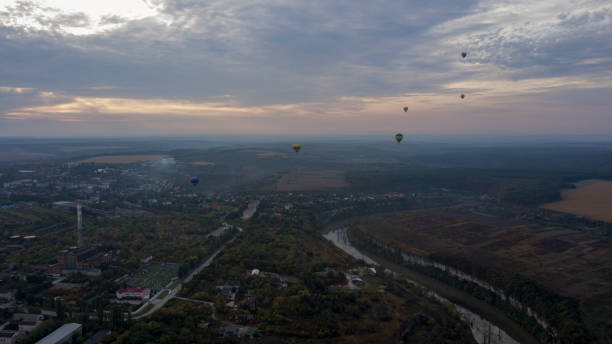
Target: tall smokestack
[[80, 224]]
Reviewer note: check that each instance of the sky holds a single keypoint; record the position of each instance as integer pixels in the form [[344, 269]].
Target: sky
[[279, 67]]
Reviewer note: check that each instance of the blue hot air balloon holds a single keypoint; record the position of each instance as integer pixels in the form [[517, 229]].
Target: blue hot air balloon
[[399, 137], [195, 181]]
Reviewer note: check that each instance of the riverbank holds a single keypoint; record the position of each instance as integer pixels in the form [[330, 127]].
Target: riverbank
[[481, 308], [461, 298]]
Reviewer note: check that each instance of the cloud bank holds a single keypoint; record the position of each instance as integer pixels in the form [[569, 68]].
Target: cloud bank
[[272, 66]]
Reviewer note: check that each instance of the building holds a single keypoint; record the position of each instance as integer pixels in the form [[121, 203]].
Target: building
[[7, 296], [9, 337], [133, 293], [85, 258], [146, 259], [283, 282], [369, 272], [28, 326], [228, 291], [62, 335], [357, 281], [24, 323]]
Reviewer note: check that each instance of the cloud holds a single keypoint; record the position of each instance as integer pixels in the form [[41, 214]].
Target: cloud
[[526, 38], [340, 59], [85, 106], [111, 19], [18, 90]]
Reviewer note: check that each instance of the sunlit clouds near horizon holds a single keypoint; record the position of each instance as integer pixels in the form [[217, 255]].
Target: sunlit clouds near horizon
[[163, 67]]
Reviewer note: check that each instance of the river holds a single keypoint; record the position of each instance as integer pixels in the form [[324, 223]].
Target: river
[[484, 331]]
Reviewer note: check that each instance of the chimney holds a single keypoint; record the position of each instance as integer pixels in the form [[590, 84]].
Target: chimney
[[80, 224]]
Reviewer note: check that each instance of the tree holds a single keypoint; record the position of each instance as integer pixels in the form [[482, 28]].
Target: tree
[[59, 309], [100, 312]]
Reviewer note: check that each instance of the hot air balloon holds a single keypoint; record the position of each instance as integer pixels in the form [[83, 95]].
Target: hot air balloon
[[463, 54], [405, 109], [297, 147], [399, 137], [195, 181], [462, 95]]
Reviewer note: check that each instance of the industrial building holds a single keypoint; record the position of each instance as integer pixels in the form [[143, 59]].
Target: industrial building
[[83, 258], [63, 334], [9, 337]]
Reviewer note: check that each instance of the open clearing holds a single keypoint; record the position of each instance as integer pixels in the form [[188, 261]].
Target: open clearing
[[266, 153], [203, 163], [82, 148], [154, 275], [310, 180], [120, 159], [592, 200]]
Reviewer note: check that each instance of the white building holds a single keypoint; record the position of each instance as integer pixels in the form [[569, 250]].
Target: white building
[[133, 293], [9, 337], [62, 335]]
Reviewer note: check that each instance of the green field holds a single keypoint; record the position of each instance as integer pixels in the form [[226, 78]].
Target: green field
[[154, 275]]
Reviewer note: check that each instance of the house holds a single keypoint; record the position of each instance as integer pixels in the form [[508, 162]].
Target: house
[[356, 280], [146, 259], [228, 291], [255, 272], [7, 296], [28, 317], [283, 282]]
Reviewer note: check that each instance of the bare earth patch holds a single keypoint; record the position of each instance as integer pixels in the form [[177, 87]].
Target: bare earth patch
[[310, 180], [203, 163], [81, 148], [120, 159], [593, 201], [265, 153]]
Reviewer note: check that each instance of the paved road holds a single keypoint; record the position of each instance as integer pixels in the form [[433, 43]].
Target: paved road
[[211, 304], [158, 303], [204, 265]]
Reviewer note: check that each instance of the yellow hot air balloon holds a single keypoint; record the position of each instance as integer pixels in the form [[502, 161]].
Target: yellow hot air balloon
[[297, 147], [405, 109], [399, 137]]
